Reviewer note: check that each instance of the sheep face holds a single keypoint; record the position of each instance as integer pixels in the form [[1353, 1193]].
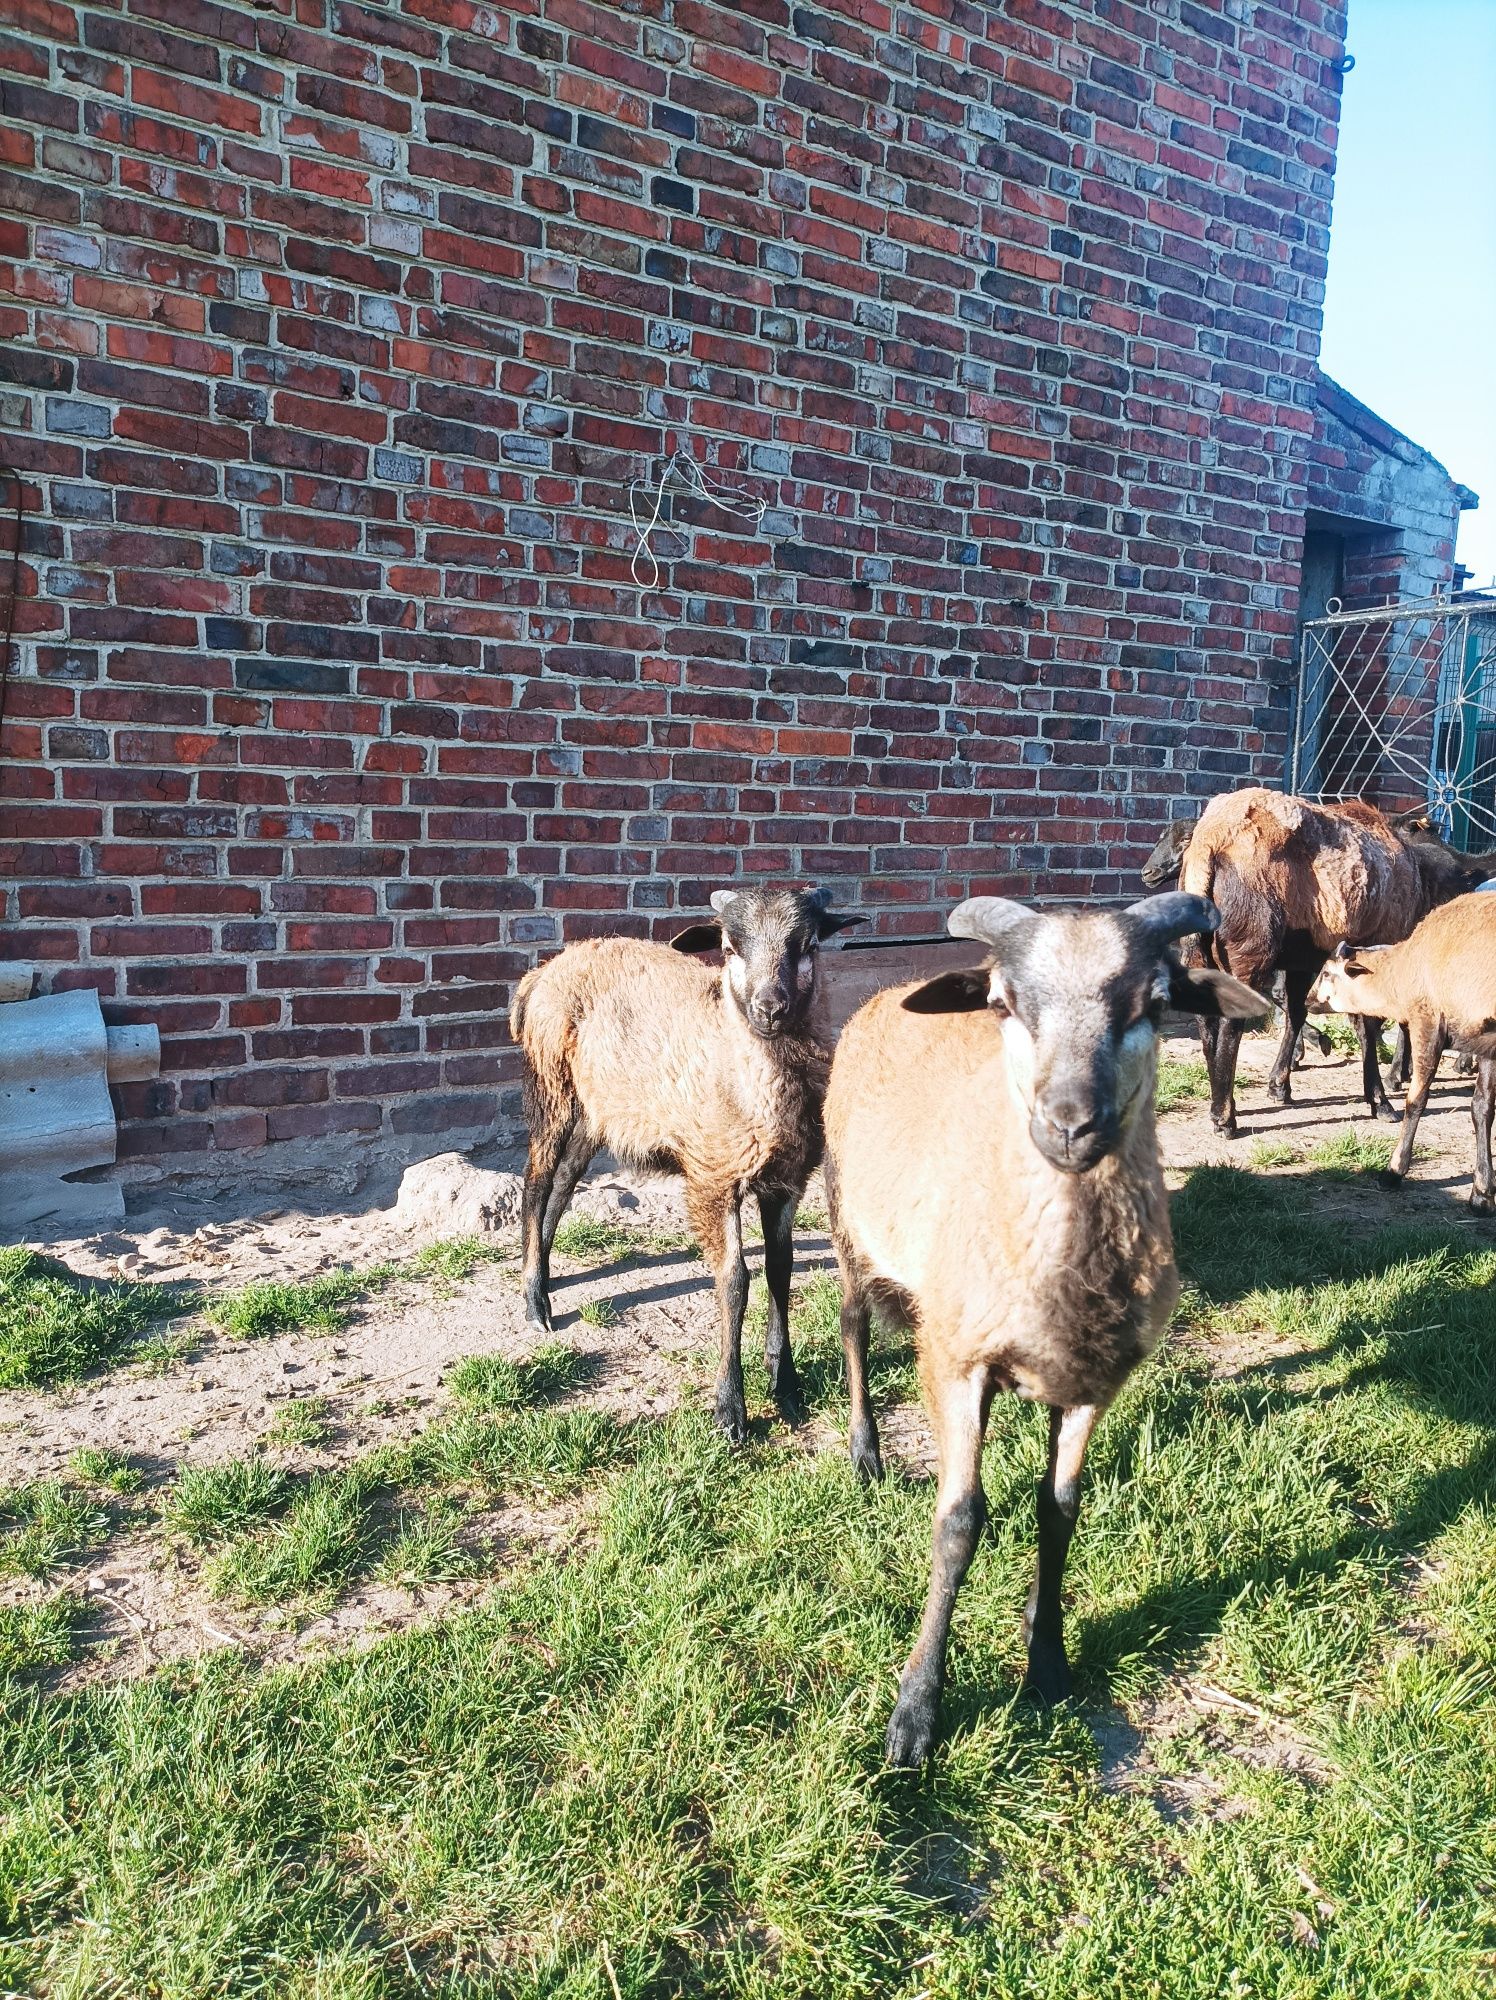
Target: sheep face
[[1079, 1001], [1079, 996], [1347, 982], [1167, 858], [769, 939]]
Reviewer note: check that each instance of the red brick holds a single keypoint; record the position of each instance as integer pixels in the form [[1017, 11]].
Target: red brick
[[337, 703]]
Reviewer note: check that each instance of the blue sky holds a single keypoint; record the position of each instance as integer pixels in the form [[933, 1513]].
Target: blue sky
[[1410, 310]]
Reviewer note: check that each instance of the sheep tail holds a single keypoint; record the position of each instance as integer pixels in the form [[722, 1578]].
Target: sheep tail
[[1198, 878], [520, 1003]]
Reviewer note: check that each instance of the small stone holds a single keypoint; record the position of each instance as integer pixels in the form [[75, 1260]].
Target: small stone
[[449, 1196]]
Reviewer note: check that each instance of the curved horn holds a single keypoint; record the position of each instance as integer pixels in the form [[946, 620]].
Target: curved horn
[[720, 898], [1175, 915], [986, 918]]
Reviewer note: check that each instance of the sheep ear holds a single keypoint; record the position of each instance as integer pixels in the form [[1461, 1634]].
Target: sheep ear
[[829, 922], [987, 918], [698, 937], [1174, 915], [949, 993], [1197, 989]]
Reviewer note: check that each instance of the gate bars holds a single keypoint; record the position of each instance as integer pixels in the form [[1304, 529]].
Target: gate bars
[[1399, 707]]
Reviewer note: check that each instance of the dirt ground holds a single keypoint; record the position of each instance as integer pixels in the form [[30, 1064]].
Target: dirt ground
[[383, 1376]]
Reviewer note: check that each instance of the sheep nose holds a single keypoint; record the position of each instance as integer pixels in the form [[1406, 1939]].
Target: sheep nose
[[768, 1012], [1070, 1128], [1071, 1137]]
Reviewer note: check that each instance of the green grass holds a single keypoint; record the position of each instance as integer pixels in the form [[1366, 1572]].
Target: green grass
[[321, 1541], [94, 1465], [492, 1382], [35, 1636], [1273, 1153], [1342, 1036], [427, 1548], [456, 1257], [1352, 1152], [302, 1421], [537, 1454], [598, 1312], [45, 1524], [588, 1240], [1180, 1083], [273, 1305], [162, 1352], [336, 1526], [210, 1502], [55, 1326], [654, 1768], [1344, 1039]]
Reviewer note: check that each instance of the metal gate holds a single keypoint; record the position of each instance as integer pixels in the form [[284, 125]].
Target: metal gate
[[1399, 707]]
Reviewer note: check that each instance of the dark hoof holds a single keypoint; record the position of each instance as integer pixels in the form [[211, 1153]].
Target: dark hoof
[[1389, 1180], [1482, 1204], [867, 1459], [1225, 1126], [1280, 1093], [789, 1397], [1048, 1677], [911, 1732], [1388, 1112], [732, 1418], [538, 1312]]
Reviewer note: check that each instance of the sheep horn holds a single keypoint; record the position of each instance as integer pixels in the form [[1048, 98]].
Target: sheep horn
[[1175, 915], [987, 918]]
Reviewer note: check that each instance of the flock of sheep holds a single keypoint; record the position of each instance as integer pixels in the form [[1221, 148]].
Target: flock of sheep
[[991, 1161]]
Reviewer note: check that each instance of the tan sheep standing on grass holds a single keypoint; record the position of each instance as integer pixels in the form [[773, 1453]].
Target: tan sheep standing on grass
[[677, 1068], [993, 1176], [1440, 982]]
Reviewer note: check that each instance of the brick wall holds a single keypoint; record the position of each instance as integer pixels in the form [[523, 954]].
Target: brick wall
[[1395, 504], [335, 333]]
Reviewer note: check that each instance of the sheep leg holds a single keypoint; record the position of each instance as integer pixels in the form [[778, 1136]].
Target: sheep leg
[[1296, 983], [1221, 1050], [1368, 1033], [718, 1224], [958, 1415], [1482, 1111], [1400, 1067], [551, 1132], [1058, 1505], [581, 1150], [1426, 1040], [867, 1457], [777, 1213]]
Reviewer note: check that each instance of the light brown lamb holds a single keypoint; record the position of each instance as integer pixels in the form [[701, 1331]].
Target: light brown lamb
[[713, 1075], [1442, 983]]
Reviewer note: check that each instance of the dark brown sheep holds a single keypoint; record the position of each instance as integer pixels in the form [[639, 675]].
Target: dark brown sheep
[[1291, 879]]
